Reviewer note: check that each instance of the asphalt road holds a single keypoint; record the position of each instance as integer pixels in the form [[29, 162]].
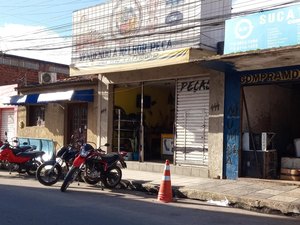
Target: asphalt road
[[24, 201]]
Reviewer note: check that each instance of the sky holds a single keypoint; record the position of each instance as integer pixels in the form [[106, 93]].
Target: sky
[[28, 27]]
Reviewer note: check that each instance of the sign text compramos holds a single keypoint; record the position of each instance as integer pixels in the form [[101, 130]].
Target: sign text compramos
[[270, 76]]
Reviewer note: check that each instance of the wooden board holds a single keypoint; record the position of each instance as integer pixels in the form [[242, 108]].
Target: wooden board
[[290, 174]]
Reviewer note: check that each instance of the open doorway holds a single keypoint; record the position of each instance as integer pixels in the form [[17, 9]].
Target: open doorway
[[159, 116], [270, 126], [144, 120]]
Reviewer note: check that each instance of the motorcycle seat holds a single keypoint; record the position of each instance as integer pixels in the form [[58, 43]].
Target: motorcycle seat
[[110, 157], [18, 149], [26, 147], [31, 154]]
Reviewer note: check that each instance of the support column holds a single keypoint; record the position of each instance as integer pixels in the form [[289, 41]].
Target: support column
[[232, 125]]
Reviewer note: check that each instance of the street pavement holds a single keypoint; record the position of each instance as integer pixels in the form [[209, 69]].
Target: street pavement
[[267, 196]]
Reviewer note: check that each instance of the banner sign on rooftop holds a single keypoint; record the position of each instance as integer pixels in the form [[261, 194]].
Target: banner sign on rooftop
[[264, 30], [122, 31]]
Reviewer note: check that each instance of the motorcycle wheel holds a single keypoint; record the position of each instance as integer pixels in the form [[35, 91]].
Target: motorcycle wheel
[[89, 180], [48, 173], [31, 170], [69, 178], [112, 177]]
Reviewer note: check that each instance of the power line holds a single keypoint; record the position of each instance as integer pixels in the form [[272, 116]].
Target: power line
[[64, 44], [63, 27]]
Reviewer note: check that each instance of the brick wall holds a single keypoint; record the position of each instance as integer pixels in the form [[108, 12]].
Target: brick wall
[[16, 70]]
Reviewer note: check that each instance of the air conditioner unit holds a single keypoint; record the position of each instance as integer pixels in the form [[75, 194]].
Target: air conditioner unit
[[47, 77]]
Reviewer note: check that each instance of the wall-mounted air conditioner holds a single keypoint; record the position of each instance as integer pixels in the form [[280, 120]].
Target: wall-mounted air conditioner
[[47, 77]]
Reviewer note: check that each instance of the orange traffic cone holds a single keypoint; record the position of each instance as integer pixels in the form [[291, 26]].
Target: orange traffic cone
[[165, 189]]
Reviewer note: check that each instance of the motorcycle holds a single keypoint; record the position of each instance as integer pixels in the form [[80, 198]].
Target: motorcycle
[[20, 158], [51, 171], [96, 166]]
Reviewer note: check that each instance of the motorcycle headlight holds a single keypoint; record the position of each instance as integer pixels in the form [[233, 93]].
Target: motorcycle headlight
[[84, 153]]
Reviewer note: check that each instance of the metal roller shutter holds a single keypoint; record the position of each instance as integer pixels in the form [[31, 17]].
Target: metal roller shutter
[[191, 143], [8, 124]]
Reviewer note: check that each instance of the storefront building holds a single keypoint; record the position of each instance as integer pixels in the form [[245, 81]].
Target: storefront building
[[17, 72], [156, 101], [61, 112], [262, 95]]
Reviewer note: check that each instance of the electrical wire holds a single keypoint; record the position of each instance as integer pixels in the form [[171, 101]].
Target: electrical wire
[[67, 43], [63, 26]]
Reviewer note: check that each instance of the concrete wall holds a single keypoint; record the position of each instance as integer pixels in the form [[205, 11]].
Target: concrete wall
[[158, 73], [267, 105], [104, 107], [270, 109], [54, 125], [216, 121], [92, 122]]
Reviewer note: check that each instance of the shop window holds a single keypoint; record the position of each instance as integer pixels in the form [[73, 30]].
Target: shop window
[[36, 115]]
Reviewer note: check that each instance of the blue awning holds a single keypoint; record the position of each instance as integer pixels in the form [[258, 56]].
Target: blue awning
[[21, 99], [60, 96], [72, 96]]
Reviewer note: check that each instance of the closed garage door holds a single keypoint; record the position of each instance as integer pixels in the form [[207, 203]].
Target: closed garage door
[[192, 121], [7, 124]]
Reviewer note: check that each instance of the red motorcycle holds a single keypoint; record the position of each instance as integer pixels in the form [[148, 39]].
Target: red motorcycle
[[94, 166], [20, 159]]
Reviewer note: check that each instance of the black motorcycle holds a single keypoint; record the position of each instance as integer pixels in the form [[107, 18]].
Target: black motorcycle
[[51, 171]]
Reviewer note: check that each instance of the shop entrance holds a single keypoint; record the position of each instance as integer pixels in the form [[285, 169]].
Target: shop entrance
[[270, 129], [144, 120], [77, 122]]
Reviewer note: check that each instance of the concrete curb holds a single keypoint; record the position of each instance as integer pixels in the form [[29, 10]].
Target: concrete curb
[[263, 206]]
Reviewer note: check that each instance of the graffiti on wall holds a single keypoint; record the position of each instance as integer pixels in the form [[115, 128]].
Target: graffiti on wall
[[194, 86], [215, 107], [233, 115]]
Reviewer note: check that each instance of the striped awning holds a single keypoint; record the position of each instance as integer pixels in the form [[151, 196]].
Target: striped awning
[[59, 96]]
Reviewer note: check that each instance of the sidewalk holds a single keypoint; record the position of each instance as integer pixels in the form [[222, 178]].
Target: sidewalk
[[267, 196]]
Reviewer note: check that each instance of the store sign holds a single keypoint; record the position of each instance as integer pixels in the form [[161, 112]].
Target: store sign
[[194, 86], [128, 31], [135, 62], [271, 76], [264, 30]]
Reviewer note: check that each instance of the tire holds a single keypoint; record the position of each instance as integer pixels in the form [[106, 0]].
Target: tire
[[112, 177], [85, 176], [89, 180], [48, 173], [70, 177], [31, 170]]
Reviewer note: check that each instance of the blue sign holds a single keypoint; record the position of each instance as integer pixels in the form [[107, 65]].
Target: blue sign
[[264, 30]]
